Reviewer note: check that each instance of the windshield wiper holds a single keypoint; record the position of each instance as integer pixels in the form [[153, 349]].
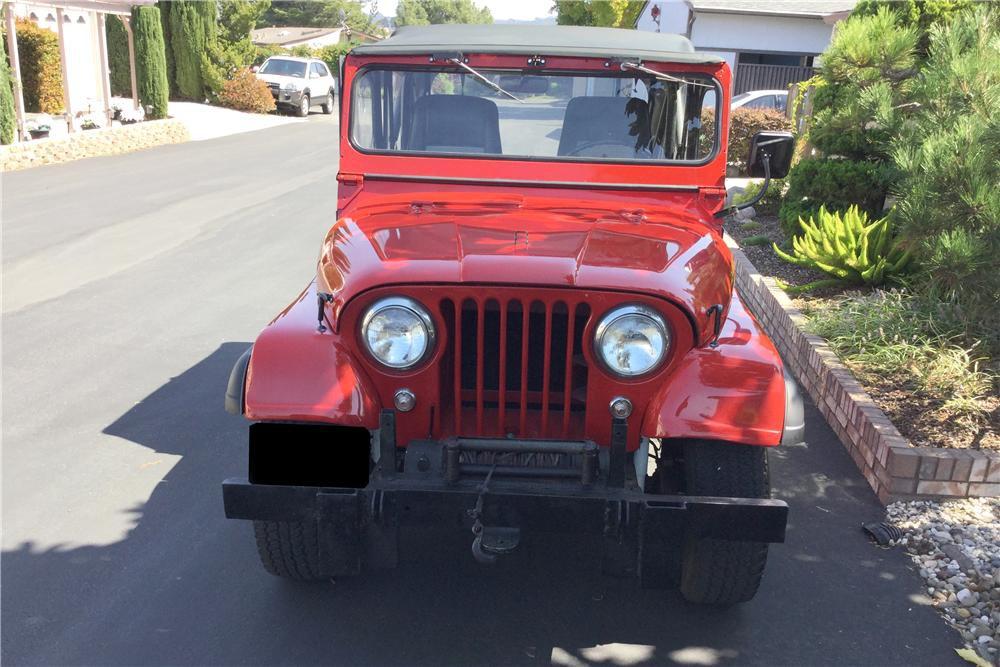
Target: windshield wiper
[[665, 77], [458, 61]]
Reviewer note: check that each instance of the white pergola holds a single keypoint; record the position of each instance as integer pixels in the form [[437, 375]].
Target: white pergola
[[98, 10]]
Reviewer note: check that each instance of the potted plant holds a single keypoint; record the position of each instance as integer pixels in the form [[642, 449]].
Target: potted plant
[[89, 124], [38, 130]]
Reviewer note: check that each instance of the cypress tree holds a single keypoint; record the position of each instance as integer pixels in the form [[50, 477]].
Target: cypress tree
[[150, 60], [164, 8], [8, 124], [187, 31], [121, 74]]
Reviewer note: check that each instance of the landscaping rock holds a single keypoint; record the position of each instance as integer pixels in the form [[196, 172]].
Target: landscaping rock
[[955, 545]]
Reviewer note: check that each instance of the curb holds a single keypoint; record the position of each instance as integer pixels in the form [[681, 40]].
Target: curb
[[894, 469], [93, 143]]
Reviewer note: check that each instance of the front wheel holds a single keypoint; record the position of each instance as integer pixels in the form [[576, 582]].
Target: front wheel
[[723, 572], [289, 549], [304, 104], [328, 105]]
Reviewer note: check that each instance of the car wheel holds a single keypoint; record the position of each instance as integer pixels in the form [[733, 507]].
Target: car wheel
[[289, 549], [723, 572], [304, 105], [328, 105]]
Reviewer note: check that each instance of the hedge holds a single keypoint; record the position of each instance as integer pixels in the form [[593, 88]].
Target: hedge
[[836, 183], [150, 61], [120, 70], [8, 123], [743, 124], [41, 72]]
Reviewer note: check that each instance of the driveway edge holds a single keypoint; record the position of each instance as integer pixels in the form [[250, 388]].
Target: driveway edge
[[894, 468], [93, 143]]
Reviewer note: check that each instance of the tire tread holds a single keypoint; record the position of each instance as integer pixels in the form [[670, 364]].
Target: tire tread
[[288, 549]]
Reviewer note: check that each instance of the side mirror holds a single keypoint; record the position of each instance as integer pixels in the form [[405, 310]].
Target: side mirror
[[777, 147], [254, 68]]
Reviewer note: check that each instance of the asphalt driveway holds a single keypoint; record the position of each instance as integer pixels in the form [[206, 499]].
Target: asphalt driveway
[[130, 286]]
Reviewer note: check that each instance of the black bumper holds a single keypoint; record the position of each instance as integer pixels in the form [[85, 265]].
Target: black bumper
[[350, 520]]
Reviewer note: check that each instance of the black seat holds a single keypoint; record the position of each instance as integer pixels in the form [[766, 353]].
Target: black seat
[[596, 120], [454, 124]]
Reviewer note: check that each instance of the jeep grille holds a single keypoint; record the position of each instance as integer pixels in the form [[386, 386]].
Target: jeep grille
[[515, 367]]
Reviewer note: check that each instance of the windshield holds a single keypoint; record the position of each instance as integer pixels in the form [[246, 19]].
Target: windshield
[[551, 116], [282, 67]]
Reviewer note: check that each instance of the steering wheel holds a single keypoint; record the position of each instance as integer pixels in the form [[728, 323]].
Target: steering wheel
[[593, 149]]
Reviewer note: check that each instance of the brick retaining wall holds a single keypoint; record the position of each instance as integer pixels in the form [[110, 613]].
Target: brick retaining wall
[[92, 143], [894, 469]]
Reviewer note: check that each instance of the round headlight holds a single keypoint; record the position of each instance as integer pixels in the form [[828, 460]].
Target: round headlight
[[290, 86], [632, 340], [397, 331]]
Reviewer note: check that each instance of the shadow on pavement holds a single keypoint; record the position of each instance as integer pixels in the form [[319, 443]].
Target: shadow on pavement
[[184, 587]]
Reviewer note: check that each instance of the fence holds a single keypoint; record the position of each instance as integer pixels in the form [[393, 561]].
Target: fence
[[768, 77]]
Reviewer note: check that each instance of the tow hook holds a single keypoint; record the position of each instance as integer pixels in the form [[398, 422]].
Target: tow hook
[[490, 541]]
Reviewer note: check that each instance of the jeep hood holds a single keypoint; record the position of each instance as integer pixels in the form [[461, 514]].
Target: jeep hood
[[669, 254]]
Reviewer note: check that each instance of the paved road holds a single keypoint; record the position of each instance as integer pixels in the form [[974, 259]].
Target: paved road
[[131, 285]]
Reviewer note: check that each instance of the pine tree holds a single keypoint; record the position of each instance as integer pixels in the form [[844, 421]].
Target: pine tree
[[150, 61]]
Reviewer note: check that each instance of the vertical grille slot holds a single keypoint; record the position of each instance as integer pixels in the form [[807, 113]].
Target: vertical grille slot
[[514, 367]]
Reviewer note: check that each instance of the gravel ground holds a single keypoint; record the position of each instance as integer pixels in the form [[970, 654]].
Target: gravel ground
[[956, 547], [762, 256]]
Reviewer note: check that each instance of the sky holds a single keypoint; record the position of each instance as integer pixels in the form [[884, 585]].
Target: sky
[[517, 9], [502, 10]]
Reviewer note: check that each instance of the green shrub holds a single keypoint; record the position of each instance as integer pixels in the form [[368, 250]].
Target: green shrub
[[245, 92], [41, 72], [118, 62], [760, 239], [8, 122], [168, 52], [848, 247], [150, 61], [743, 124], [769, 203], [192, 32], [837, 185]]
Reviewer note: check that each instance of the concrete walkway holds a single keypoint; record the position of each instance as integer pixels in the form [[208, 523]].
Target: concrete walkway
[[205, 121]]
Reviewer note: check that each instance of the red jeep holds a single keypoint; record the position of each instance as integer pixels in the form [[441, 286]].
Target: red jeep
[[523, 319]]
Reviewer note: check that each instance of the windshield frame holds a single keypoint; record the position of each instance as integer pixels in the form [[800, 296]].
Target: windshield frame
[[527, 71]]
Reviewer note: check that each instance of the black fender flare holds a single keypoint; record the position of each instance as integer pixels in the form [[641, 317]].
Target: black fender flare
[[237, 387]]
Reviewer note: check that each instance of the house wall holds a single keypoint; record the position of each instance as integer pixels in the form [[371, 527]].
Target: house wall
[[728, 34], [81, 48], [744, 32]]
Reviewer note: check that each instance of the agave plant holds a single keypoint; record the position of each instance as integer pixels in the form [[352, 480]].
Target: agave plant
[[848, 246]]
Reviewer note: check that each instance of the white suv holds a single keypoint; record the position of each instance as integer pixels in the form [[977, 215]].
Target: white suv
[[299, 83]]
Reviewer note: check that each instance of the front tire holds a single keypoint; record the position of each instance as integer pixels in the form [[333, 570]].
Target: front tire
[[722, 572], [328, 105], [289, 549], [304, 105]]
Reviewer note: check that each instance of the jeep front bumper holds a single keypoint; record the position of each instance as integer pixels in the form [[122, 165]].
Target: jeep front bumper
[[357, 526]]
